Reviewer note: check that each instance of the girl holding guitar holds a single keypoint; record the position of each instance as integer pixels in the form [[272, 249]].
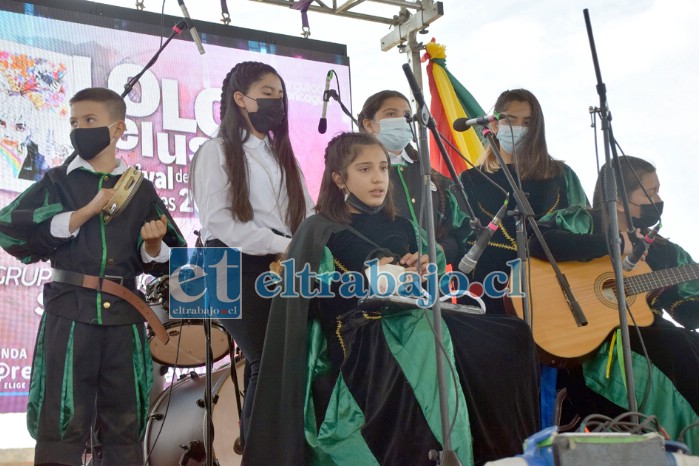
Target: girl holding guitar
[[665, 373]]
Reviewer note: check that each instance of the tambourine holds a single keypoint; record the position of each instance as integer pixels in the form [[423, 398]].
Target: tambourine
[[125, 189]]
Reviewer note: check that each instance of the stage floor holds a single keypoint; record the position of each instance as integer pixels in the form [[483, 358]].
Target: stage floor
[[16, 445]]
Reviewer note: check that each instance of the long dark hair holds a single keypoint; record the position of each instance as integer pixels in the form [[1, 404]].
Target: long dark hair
[[340, 153], [535, 162], [233, 125]]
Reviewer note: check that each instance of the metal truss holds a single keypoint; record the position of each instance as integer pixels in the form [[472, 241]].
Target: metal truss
[[412, 16]]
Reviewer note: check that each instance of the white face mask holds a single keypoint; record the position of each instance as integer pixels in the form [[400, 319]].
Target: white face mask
[[510, 137], [394, 133]]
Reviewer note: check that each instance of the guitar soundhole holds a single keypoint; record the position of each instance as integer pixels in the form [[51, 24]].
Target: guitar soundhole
[[605, 290]]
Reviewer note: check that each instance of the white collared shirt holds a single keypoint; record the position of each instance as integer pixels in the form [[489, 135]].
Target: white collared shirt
[[267, 194], [404, 159], [400, 159], [79, 162]]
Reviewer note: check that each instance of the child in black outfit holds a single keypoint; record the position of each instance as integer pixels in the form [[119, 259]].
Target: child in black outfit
[[91, 360]]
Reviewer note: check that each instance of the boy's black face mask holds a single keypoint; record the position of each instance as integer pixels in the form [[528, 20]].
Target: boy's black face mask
[[88, 142]]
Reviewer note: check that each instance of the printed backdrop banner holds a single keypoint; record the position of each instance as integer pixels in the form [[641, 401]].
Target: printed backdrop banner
[[45, 59]]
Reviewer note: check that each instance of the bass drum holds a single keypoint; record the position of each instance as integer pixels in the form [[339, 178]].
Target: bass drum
[[178, 418]]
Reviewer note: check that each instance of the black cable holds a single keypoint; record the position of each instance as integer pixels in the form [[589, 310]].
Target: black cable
[[529, 287], [452, 370], [640, 337], [167, 406], [646, 394], [443, 350], [162, 23], [169, 398], [649, 363], [602, 423], [593, 125], [680, 437], [515, 159], [638, 180], [172, 382], [337, 84], [487, 178]]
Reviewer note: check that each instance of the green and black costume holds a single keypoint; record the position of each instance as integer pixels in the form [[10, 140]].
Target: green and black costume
[[342, 386], [91, 359]]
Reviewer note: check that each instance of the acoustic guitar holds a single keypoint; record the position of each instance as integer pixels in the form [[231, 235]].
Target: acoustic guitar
[[594, 286]]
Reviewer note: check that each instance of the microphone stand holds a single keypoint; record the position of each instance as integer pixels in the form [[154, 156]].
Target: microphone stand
[[208, 408], [525, 213], [437, 136], [208, 405], [128, 87], [425, 120], [333, 93], [610, 198], [521, 242], [460, 187]]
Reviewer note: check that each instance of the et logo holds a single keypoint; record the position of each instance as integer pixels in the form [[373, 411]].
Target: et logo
[[205, 283]]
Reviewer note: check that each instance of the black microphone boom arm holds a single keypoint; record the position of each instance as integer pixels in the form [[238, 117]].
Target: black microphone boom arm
[[333, 93]]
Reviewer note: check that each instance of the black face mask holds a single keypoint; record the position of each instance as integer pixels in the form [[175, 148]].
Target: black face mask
[[649, 216], [89, 142], [355, 202], [269, 115]]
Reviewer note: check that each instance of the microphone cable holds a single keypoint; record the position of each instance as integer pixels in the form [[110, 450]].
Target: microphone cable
[[465, 159]]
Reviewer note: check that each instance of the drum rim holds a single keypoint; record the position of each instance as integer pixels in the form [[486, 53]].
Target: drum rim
[[189, 322], [181, 323]]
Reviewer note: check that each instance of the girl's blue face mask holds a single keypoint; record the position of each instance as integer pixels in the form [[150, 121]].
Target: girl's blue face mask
[[510, 137], [394, 133]]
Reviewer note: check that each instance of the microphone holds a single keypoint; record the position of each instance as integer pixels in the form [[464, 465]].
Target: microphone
[[323, 123], [192, 29], [417, 92], [639, 249], [468, 262], [462, 124]]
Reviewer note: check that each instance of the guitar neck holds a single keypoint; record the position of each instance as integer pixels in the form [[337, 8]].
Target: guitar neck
[[660, 279]]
